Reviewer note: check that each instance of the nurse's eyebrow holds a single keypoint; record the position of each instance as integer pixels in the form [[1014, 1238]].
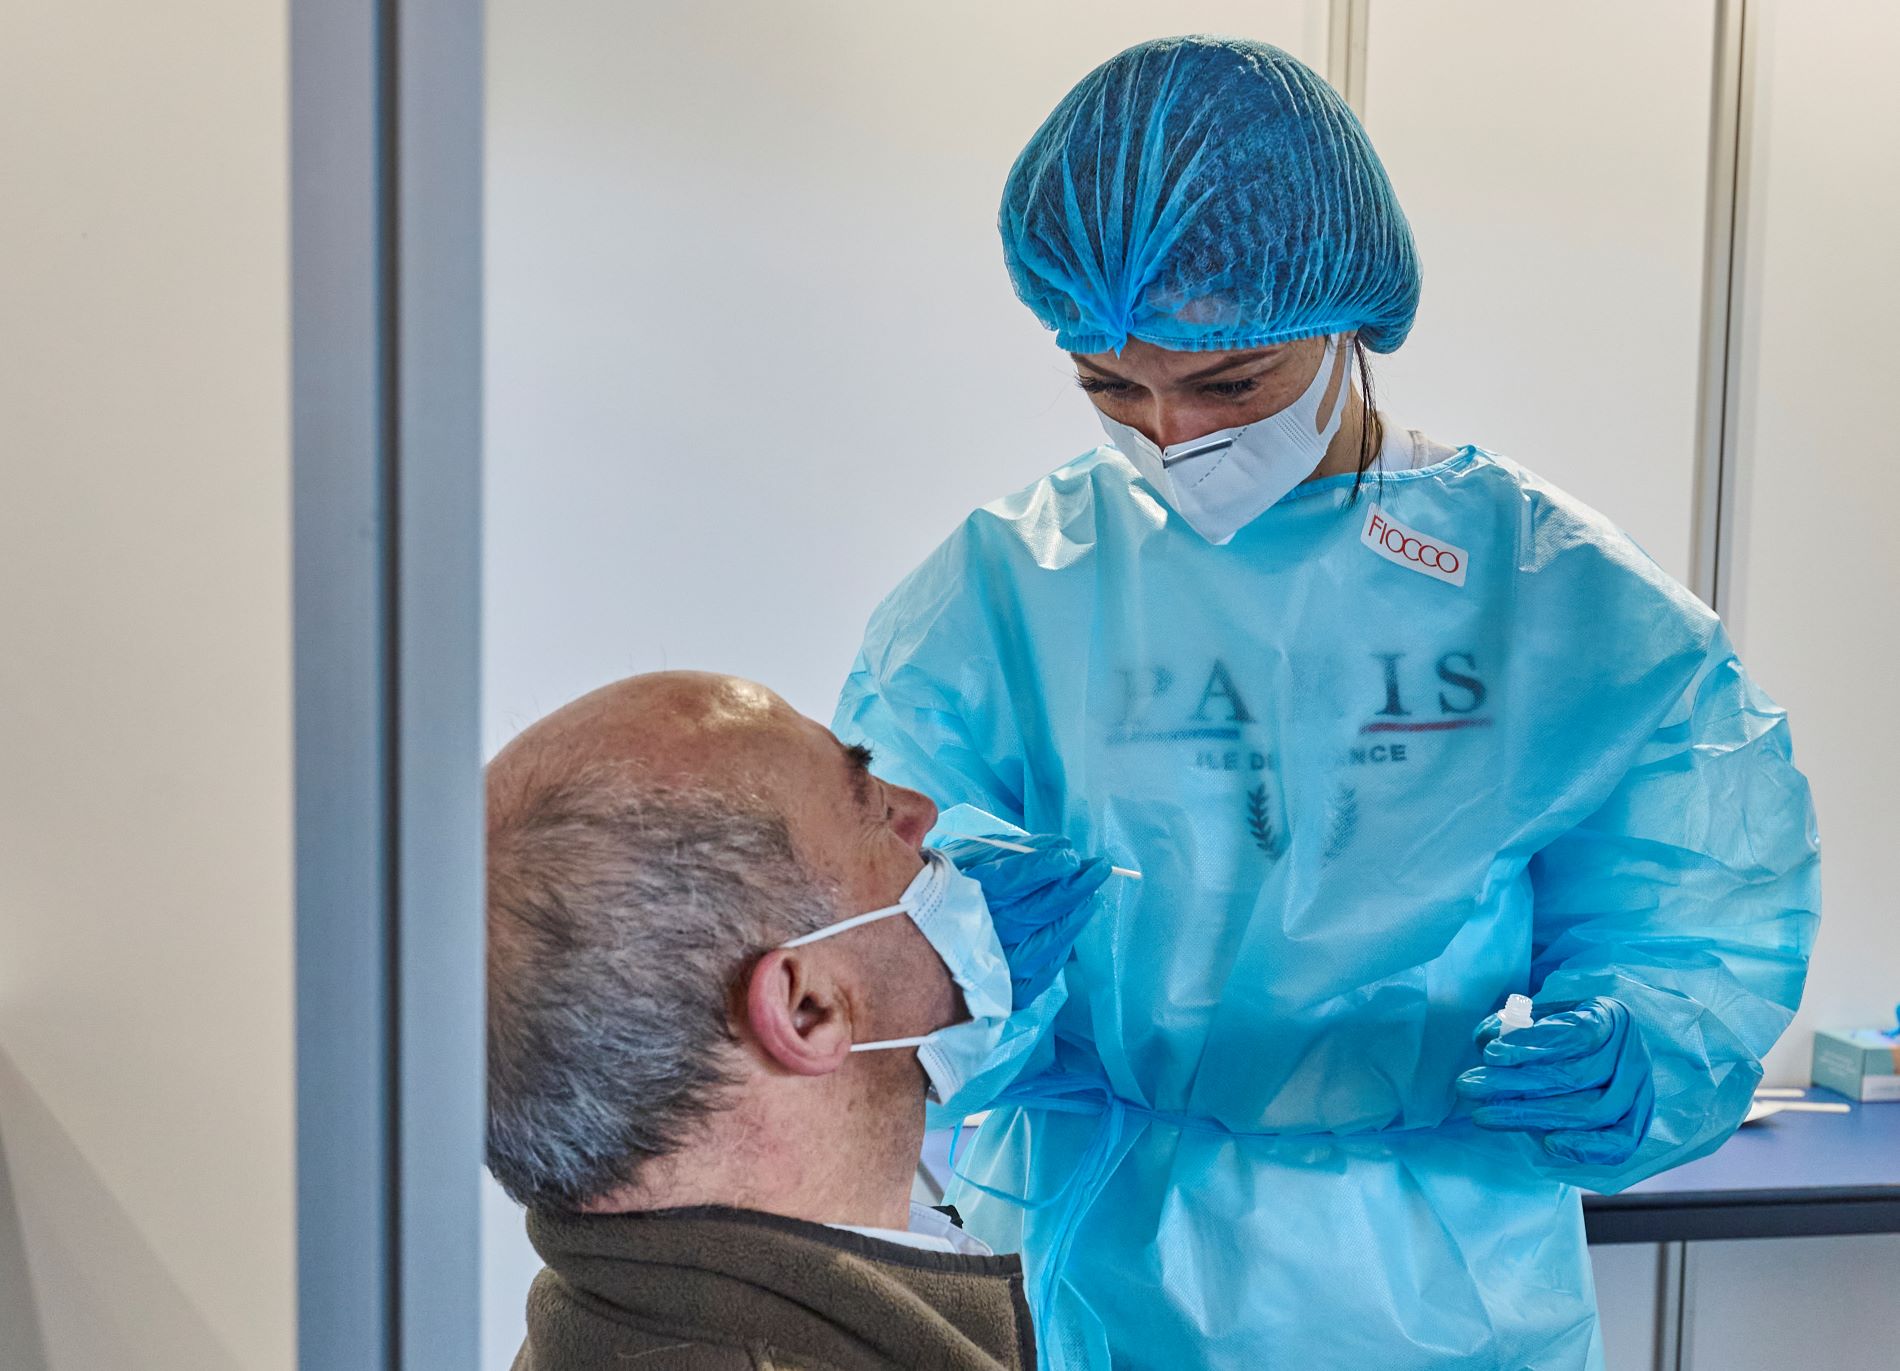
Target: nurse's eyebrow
[[1239, 359]]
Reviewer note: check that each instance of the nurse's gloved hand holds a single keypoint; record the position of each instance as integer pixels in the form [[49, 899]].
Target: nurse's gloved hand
[[1039, 900], [1581, 1078]]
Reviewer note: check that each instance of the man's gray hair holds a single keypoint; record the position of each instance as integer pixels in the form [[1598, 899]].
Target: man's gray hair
[[620, 920]]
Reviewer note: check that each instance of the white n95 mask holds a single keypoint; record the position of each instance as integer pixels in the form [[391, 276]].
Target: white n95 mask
[[949, 908], [1223, 481]]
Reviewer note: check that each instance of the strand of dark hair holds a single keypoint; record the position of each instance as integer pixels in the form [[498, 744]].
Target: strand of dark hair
[[1371, 434]]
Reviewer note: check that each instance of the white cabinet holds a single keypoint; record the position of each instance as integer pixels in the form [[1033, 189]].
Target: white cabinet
[[1793, 1302], [1627, 1278]]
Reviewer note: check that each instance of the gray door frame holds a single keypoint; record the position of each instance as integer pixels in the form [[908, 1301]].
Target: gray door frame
[[386, 176]]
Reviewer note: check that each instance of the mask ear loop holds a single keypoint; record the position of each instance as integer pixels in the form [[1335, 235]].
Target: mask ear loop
[[890, 1042], [842, 926], [845, 926]]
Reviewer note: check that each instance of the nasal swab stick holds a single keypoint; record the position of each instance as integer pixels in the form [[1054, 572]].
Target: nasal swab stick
[[1018, 847]]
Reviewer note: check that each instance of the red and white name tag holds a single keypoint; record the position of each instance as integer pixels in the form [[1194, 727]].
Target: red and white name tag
[[1420, 552]]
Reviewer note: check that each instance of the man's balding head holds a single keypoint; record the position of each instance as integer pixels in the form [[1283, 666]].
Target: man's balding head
[[646, 845], [716, 735], [675, 728]]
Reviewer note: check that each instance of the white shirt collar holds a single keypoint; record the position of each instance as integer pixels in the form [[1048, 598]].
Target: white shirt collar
[[930, 1231], [1405, 449]]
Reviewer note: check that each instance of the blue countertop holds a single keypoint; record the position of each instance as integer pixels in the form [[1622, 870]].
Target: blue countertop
[[1790, 1175]]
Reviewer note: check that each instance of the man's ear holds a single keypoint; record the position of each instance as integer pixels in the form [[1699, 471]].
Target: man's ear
[[796, 1013]]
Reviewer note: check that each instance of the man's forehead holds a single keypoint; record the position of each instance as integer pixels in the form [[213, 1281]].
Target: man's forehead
[[818, 747], [809, 766], [772, 748]]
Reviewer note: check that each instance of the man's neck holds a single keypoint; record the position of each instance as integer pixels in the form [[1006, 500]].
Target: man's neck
[[779, 1156]]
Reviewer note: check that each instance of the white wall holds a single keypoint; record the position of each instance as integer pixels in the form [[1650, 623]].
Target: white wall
[[1816, 600], [1561, 229], [146, 1202], [751, 348]]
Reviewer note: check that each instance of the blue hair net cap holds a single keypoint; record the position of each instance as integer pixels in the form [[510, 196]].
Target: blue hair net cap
[[1207, 193]]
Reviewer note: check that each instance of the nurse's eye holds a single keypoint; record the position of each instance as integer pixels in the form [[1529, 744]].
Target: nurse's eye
[[1230, 390], [1097, 385]]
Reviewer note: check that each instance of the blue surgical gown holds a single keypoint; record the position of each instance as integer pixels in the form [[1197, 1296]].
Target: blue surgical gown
[[1368, 803]]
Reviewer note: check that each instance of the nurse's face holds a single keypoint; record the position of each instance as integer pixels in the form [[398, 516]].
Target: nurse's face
[[1172, 397]]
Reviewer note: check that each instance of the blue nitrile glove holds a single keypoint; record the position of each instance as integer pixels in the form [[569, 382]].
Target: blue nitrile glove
[[1581, 1078], [1038, 901]]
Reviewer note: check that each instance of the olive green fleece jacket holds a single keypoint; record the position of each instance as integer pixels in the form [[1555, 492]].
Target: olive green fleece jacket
[[715, 1289]]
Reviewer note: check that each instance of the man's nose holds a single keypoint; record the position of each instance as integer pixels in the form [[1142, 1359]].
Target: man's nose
[[912, 815]]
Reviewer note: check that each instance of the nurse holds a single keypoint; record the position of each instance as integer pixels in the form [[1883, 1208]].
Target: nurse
[[1393, 729]]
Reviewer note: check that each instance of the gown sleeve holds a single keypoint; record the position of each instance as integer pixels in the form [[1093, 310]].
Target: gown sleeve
[[1692, 896]]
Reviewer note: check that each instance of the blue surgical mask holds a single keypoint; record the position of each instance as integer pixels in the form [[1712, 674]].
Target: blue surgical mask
[[949, 908], [1223, 481]]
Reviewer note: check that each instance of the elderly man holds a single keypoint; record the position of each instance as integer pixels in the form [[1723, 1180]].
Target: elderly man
[[717, 1167]]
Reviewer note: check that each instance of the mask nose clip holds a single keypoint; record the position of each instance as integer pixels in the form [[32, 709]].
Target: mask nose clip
[[1200, 450]]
